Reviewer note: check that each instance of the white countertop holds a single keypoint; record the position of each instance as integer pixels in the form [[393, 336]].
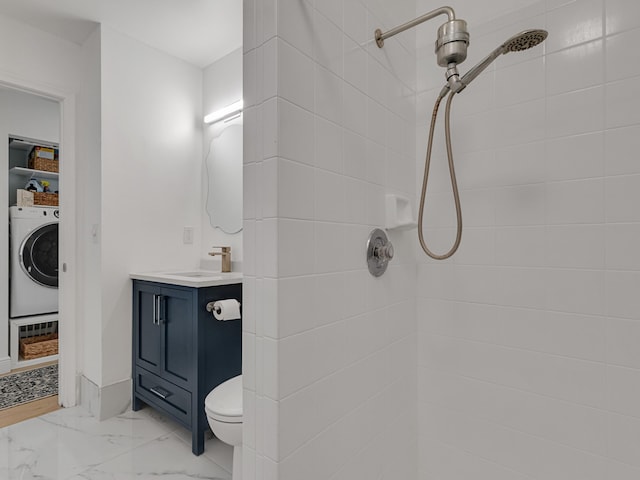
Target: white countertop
[[190, 278]]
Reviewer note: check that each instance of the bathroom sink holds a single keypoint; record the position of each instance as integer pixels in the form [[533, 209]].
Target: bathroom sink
[[194, 274], [191, 278]]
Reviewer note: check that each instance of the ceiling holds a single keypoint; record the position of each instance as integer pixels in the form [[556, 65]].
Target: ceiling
[[198, 31]]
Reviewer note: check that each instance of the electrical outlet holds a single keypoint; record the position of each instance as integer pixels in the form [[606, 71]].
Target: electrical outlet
[[187, 235]]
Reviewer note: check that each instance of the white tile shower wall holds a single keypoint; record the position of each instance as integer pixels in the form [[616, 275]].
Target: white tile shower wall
[[329, 351], [528, 363]]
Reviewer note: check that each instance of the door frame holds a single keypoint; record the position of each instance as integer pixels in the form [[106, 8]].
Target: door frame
[[67, 255]]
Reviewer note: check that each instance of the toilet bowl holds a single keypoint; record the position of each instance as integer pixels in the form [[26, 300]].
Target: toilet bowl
[[223, 407]]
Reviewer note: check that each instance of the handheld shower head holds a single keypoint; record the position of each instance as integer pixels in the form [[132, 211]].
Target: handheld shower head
[[522, 41]]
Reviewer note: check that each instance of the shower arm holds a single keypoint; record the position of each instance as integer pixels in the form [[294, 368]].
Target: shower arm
[[380, 37]]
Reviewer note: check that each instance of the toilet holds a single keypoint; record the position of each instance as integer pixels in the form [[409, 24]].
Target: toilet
[[223, 406]]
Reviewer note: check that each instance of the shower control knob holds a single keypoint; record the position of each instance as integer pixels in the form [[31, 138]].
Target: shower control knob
[[379, 252], [384, 252]]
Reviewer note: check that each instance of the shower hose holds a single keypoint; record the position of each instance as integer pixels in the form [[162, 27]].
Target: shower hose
[[452, 174]]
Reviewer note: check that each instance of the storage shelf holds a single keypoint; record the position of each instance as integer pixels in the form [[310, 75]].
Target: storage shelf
[[30, 173], [14, 341]]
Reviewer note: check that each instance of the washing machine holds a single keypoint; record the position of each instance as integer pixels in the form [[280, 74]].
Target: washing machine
[[33, 270]]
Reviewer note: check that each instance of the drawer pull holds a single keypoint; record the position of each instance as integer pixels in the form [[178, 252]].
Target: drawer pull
[[161, 392]]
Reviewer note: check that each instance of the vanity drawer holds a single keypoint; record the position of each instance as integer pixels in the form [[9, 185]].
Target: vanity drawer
[[164, 395]]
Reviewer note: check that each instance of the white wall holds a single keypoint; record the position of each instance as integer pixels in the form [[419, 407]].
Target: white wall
[[151, 164], [528, 354], [222, 86], [329, 351], [88, 171]]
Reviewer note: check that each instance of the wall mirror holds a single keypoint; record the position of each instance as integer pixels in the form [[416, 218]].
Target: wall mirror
[[224, 168]]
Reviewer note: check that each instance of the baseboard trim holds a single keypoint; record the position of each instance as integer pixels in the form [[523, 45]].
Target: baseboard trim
[[5, 365], [105, 402]]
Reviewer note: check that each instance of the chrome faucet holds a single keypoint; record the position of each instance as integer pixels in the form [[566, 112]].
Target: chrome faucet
[[226, 257]]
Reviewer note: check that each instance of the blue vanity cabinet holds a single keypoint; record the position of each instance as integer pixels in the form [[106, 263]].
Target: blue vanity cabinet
[[181, 352]]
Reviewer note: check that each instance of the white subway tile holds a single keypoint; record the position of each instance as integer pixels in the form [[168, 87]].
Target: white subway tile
[[623, 389], [519, 83], [622, 103], [296, 136], [621, 15], [579, 201], [575, 291], [520, 287], [296, 305], [354, 109], [621, 471], [267, 87], [328, 146], [574, 23], [297, 421], [521, 205], [355, 21], [329, 51], [622, 55], [622, 242], [296, 188], [296, 87], [622, 294], [575, 246], [355, 155], [621, 150], [330, 248], [296, 247], [575, 157], [623, 438], [355, 63], [332, 9], [295, 24], [575, 112], [565, 334], [330, 196], [328, 95], [622, 342], [575, 68], [622, 195], [520, 164], [477, 247], [330, 299], [520, 246]]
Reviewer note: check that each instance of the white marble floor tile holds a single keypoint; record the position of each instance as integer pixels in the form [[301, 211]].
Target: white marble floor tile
[[165, 458], [71, 444], [218, 452]]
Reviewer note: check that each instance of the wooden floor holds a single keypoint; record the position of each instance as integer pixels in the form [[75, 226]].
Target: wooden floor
[[29, 410]]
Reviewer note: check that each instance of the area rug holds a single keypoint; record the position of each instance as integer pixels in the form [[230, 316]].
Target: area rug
[[24, 387]]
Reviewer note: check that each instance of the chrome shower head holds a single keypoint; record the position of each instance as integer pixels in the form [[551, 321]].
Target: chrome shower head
[[524, 40]]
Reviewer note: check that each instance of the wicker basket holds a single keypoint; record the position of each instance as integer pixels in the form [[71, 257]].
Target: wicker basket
[[41, 346], [47, 199], [44, 164]]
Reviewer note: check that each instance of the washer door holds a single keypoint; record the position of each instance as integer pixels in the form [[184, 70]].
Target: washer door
[[39, 255]]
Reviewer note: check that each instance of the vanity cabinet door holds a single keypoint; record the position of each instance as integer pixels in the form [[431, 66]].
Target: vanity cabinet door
[[146, 334], [179, 342]]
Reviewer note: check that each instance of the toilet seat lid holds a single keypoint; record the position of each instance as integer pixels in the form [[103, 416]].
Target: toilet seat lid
[[226, 399]]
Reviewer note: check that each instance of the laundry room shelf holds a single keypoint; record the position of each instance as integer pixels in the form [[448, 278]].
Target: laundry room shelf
[[45, 322], [30, 173]]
